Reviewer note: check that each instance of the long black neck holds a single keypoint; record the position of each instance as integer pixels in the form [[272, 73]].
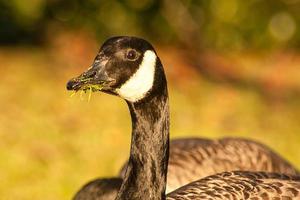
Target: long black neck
[[146, 173]]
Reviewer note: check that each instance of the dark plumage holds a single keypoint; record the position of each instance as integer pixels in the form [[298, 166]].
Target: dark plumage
[[99, 189], [191, 159], [240, 185], [139, 79], [194, 158]]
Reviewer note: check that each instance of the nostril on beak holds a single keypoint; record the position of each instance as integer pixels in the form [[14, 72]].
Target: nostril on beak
[[70, 85]]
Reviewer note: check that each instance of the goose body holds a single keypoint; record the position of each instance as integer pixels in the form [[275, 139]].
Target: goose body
[[193, 158], [99, 189], [129, 67], [240, 185]]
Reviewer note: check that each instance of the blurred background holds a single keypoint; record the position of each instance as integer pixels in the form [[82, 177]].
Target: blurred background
[[233, 68]]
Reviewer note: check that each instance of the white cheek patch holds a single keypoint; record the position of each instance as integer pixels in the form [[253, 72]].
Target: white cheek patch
[[136, 87]]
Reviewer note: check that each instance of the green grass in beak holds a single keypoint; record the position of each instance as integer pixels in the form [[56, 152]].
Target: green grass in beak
[[88, 87]]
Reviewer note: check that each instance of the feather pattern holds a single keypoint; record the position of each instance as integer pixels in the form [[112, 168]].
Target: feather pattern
[[241, 185], [194, 157]]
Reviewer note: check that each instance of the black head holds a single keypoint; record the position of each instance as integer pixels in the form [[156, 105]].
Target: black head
[[124, 66]]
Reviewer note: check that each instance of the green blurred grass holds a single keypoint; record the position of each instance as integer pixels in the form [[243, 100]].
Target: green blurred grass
[[51, 144]]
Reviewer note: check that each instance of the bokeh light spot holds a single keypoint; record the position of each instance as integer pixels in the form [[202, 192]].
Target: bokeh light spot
[[224, 10], [282, 26]]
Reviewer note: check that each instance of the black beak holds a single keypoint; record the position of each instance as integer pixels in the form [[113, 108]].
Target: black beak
[[78, 82], [71, 84], [92, 78]]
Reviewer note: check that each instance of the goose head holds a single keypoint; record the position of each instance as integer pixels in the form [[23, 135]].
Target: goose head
[[124, 66]]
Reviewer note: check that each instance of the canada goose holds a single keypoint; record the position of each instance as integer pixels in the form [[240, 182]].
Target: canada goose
[[129, 67]]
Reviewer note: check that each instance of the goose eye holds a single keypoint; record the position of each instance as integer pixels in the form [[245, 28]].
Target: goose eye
[[131, 55]]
